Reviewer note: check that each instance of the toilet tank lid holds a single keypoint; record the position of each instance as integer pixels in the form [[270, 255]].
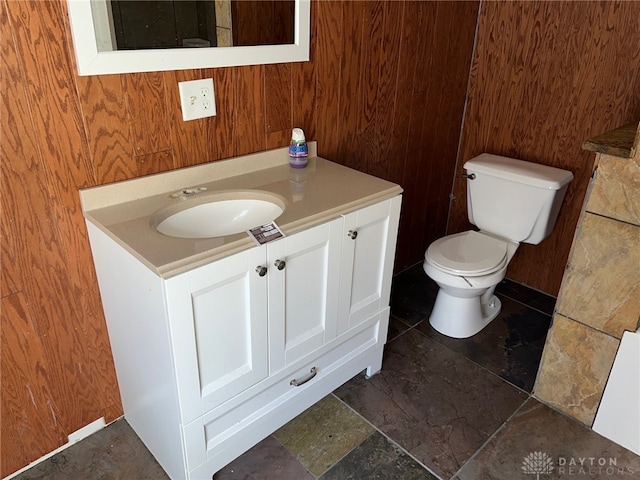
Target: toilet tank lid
[[530, 173]]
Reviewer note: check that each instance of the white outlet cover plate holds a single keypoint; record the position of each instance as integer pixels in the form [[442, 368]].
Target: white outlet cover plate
[[197, 98]]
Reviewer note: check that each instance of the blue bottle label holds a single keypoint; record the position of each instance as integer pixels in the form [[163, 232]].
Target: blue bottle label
[[298, 149]]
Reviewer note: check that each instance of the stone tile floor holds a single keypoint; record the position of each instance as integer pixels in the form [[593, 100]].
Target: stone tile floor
[[441, 408]]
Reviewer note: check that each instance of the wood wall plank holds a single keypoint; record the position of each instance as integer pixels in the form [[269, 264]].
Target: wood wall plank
[[386, 113], [63, 310], [222, 134], [44, 157], [29, 412], [303, 77], [280, 138], [155, 163], [9, 274], [448, 102], [12, 146], [189, 140], [439, 105], [329, 81], [103, 101], [408, 114], [367, 137], [278, 101], [148, 111], [36, 28], [48, 213], [350, 85], [23, 367], [249, 109]]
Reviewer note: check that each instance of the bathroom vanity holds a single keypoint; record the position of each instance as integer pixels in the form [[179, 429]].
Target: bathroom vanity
[[218, 342]]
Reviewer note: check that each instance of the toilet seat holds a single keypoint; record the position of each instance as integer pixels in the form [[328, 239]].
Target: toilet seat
[[468, 253]]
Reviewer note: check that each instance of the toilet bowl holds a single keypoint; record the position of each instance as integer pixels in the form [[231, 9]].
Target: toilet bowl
[[467, 267], [511, 202]]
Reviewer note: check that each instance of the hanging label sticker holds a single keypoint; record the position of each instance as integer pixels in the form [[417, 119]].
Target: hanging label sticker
[[265, 233]]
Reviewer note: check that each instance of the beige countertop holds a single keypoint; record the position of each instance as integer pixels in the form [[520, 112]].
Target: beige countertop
[[313, 195]]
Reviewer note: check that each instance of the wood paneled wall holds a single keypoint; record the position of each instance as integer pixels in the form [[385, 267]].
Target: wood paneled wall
[[391, 83], [384, 92], [545, 77], [57, 374]]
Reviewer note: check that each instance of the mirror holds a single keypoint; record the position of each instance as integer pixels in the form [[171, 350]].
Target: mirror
[[145, 24], [96, 36]]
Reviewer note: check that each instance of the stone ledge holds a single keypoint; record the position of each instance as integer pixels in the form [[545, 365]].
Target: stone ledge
[[620, 142]]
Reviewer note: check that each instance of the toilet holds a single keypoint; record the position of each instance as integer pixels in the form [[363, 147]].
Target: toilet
[[510, 201]]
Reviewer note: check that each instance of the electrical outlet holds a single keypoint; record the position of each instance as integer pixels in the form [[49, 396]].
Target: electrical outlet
[[197, 99]]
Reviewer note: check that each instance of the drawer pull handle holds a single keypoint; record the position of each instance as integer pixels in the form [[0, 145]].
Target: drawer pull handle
[[296, 383]]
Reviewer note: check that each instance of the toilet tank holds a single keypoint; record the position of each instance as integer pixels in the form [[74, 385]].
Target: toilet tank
[[514, 199]]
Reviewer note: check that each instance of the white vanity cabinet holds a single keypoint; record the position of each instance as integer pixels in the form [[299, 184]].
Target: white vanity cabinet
[[239, 319], [212, 360]]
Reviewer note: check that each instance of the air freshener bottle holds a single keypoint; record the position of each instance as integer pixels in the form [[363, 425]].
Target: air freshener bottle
[[298, 151]]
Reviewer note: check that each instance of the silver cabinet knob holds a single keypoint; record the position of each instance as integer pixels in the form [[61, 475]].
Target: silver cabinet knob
[[280, 264], [352, 234], [262, 271], [468, 176]]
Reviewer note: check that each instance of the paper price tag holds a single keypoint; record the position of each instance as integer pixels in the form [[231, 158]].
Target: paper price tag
[[265, 233]]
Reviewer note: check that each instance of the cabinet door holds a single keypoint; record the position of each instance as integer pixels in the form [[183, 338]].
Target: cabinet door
[[218, 319], [303, 295], [369, 243]]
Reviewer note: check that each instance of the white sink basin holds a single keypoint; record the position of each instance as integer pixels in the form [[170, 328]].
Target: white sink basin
[[219, 214]]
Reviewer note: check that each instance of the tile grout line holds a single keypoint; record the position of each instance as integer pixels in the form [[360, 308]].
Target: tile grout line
[[520, 302], [528, 394], [295, 457], [391, 440], [349, 452], [499, 429]]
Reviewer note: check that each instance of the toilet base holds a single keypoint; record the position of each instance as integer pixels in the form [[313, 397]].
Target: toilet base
[[458, 317]]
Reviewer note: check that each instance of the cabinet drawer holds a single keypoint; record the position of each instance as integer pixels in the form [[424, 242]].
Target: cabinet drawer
[[221, 435]]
